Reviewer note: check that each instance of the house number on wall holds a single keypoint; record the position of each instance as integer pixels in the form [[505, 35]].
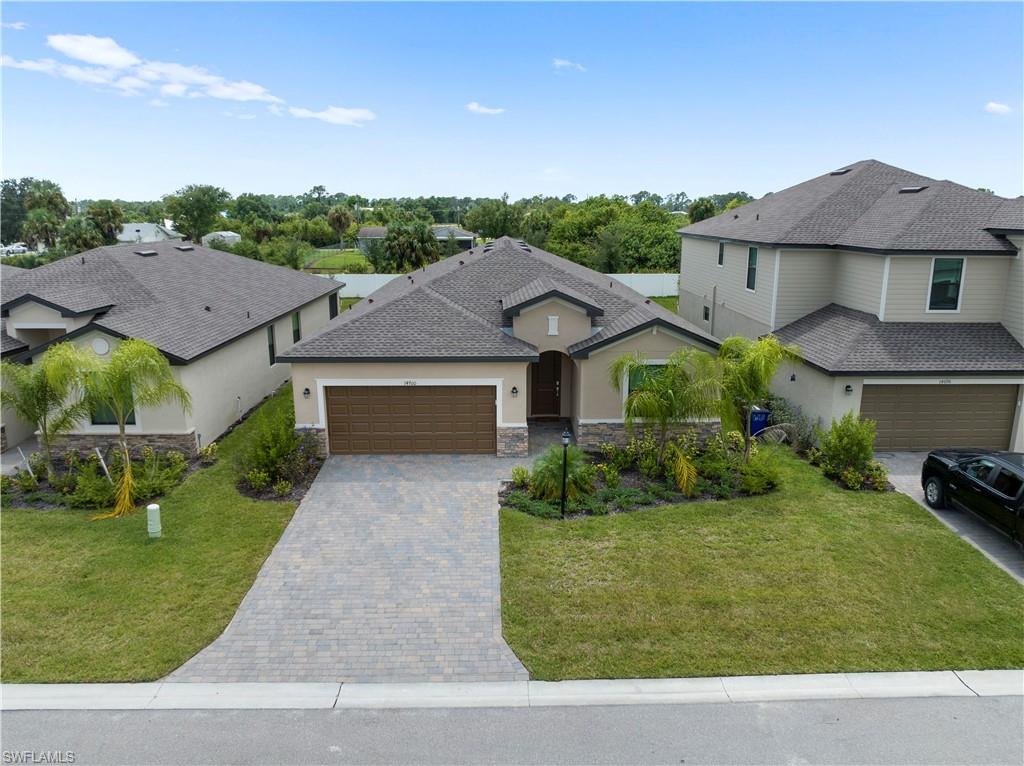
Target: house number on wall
[[410, 383]]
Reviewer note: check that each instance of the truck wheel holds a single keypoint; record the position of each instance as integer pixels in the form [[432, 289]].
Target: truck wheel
[[935, 493]]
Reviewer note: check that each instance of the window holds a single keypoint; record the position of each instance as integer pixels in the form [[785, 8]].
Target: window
[[104, 416], [979, 469], [271, 350], [637, 375], [296, 327], [947, 274], [1008, 483], [553, 325], [332, 306], [751, 268], [707, 314], [721, 253]]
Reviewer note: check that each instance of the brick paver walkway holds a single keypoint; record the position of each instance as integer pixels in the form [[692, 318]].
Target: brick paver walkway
[[387, 572]]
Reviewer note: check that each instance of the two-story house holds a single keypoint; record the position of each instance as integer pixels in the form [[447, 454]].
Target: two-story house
[[220, 319], [905, 295]]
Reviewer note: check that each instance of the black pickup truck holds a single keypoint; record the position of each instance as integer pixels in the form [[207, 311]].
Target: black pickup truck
[[991, 484]]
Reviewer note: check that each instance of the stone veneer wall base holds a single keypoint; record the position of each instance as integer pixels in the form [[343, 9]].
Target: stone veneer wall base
[[513, 442], [85, 442], [590, 436]]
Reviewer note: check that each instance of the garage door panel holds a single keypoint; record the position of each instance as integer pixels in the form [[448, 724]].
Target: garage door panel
[[924, 417], [403, 419]]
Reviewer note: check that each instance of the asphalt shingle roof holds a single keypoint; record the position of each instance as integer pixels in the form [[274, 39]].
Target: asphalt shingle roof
[[840, 340], [864, 208], [542, 288], [163, 298], [453, 310]]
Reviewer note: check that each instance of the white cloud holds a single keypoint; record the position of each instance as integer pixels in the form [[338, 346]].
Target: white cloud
[[19, 25], [336, 115], [240, 91], [994, 107], [158, 102], [476, 108], [102, 51], [276, 110], [46, 66], [177, 89], [566, 64]]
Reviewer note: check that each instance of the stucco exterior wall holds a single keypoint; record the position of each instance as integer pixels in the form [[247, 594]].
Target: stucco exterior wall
[[806, 283], [821, 397], [15, 430], [532, 325], [982, 290], [31, 313]]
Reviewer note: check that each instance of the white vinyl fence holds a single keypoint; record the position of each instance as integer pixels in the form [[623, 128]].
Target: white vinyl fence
[[361, 285]]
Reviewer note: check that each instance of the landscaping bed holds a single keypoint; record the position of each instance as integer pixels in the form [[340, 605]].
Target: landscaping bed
[[99, 601], [810, 578]]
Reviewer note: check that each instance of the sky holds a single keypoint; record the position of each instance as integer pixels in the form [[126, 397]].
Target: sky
[[135, 100]]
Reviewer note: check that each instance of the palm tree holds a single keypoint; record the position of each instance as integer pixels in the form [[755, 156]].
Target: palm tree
[[46, 195], [137, 375], [108, 217], [340, 218], [700, 209], [684, 389], [78, 234], [47, 394], [748, 367], [40, 227]]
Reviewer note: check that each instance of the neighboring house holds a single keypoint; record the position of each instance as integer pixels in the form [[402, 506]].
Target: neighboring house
[[464, 239], [457, 357], [12, 430], [147, 232], [219, 318], [905, 295], [226, 237]]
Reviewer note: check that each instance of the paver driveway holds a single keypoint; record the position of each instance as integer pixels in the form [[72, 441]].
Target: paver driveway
[[387, 572]]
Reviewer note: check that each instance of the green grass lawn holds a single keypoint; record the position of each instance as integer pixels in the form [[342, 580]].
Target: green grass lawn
[[671, 302], [810, 579], [342, 261], [346, 302], [98, 601]]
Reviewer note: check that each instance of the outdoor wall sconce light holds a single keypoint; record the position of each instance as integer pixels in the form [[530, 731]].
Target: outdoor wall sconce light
[[792, 377], [848, 389], [305, 393], [515, 392]]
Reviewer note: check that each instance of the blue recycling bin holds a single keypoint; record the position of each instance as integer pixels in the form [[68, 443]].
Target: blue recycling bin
[[758, 420]]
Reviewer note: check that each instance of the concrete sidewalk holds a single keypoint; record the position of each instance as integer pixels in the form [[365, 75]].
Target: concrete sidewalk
[[167, 695]]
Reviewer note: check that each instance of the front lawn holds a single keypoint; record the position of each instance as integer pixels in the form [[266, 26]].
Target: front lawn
[[100, 601], [809, 579]]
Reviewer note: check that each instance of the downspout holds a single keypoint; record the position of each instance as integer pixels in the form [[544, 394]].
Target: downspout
[[714, 307]]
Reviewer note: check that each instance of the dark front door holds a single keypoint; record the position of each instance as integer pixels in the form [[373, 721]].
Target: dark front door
[[547, 384]]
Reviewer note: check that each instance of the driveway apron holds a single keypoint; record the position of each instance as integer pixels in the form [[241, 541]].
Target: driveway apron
[[388, 572]]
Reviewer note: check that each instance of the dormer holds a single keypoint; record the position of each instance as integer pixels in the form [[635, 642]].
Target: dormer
[[549, 315], [35, 320]]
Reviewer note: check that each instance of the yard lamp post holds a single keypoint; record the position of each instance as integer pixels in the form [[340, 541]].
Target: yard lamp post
[[566, 437]]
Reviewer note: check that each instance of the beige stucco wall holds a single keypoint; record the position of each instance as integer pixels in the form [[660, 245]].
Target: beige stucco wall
[[806, 283], [314, 376], [983, 288], [31, 313], [598, 399], [15, 429], [532, 325], [819, 396]]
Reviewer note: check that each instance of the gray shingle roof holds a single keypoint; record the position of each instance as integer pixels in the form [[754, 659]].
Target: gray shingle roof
[[541, 289], [840, 340], [164, 298], [1008, 217], [865, 209], [453, 310], [139, 232], [8, 343]]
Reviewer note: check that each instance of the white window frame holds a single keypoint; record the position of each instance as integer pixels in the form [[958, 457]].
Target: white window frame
[[960, 292], [552, 324]]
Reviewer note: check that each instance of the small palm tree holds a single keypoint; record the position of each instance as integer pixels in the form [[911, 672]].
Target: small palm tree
[[137, 375], [686, 388], [748, 367], [47, 394]]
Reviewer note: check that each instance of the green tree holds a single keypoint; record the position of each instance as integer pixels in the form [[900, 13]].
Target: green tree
[[451, 245], [47, 394], [748, 367], [46, 195], [283, 251], [40, 227], [340, 219], [108, 217], [248, 207], [12, 207], [137, 375], [196, 209], [79, 233], [493, 218], [411, 247], [701, 209]]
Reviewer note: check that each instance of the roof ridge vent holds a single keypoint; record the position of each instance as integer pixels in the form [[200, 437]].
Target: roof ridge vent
[[840, 172], [146, 253], [911, 189], [184, 248]]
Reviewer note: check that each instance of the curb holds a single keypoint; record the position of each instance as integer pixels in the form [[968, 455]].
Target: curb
[[166, 695]]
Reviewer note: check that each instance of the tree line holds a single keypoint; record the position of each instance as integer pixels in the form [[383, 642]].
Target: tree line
[[618, 233]]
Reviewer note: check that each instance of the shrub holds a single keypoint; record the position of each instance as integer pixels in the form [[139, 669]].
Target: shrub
[[6, 484], [609, 475], [619, 458], [847, 446], [257, 479], [521, 501], [26, 482], [37, 462], [851, 478], [642, 451], [158, 474], [208, 454], [92, 488], [282, 487], [760, 475], [680, 469], [521, 476], [877, 475], [801, 429], [272, 445], [546, 479]]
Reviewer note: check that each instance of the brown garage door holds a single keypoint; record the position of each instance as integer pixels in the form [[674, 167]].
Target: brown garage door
[[397, 419], [929, 417]]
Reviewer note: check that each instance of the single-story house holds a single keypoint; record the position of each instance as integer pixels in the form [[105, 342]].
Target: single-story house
[[139, 232], [463, 239], [220, 319], [226, 237], [461, 355]]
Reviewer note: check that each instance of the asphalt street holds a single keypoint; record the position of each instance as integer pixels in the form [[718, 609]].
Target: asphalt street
[[953, 730]]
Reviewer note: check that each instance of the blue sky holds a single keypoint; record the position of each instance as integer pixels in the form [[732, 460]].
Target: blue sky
[[134, 100]]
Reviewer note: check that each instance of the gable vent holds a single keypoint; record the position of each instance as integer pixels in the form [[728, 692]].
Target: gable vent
[[184, 248], [912, 189], [145, 253], [840, 172]]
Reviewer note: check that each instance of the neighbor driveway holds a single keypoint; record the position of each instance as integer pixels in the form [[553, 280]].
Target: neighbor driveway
[[905, 475], [387, 572]]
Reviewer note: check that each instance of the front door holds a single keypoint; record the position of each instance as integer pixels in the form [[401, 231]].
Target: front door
[[547, 385]]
